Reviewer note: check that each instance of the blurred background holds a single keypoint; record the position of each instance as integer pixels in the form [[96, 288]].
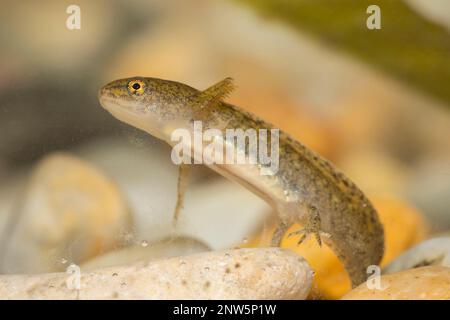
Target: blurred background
[[76, 184]]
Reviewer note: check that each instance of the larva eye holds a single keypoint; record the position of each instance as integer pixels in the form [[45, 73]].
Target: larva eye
[[136, 87]]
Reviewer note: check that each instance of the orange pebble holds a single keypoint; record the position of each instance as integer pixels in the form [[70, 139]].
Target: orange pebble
[[404, 226]]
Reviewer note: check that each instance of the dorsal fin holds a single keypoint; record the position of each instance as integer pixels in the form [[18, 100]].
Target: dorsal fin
[[216, 92]]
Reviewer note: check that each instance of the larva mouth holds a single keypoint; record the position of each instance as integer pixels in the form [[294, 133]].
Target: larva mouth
[[115, 105]]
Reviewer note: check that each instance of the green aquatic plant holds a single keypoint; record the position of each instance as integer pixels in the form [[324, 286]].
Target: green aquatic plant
[[407, 46]]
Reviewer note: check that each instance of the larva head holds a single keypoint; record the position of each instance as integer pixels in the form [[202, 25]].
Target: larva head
[[149, 104]]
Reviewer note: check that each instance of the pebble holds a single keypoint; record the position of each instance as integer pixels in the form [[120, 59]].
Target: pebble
[[166, 248], [258, 273], [425, 283], [434, 251], [69, 210]]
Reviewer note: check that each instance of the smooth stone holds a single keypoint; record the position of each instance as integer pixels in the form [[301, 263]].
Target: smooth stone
[[429, 189], [425, 283], [434, 252], [146, 251], [263, 273], [69, 212]]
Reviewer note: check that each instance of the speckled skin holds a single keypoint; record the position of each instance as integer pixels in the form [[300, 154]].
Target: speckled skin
[[305, 182]]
